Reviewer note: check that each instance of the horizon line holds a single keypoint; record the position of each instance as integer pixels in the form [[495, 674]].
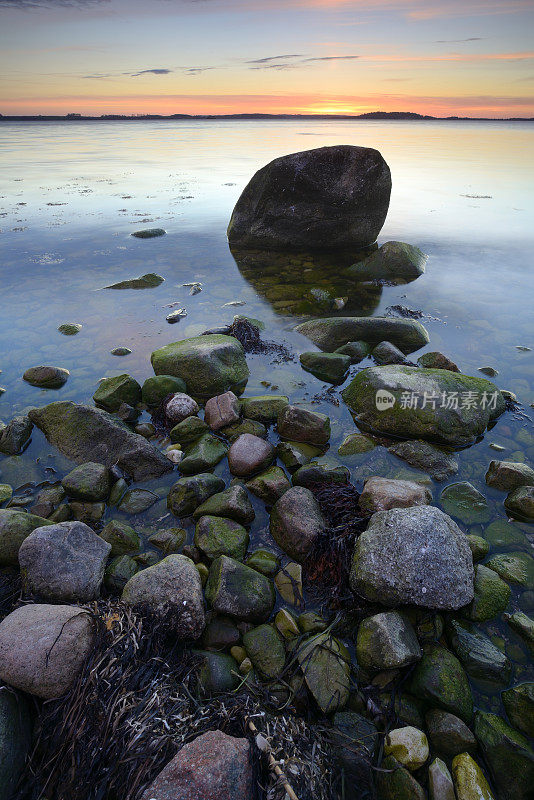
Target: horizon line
[[112, 116]]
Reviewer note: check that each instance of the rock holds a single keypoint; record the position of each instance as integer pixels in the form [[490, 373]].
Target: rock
[[249, 454], [46, 660], [15, 739], [436, 360], [190, 492], [179, 407], [354, 444], [264, 407], [286, 624], [266, 650], [329, 367], [440, 679], [501, 534], [204, 454], [120, 351], [393, 260], [86, 434], [122, 538], [463, 501], [6, 492], [395, 782], [508, 755], [300, 425], [64, 562], [386, 641], [448, 734], [519, 704], [149, 233], [322, 199], [356, 351], [15, 526], [325, 663], [381, 494], [296, 522], [218, 673], [387, 353], [217, 536], [263, 561], [112, 392], [440, 785], [87, 512], [469, 780], [289, 584], [394, 387], [516, 568], [295, 454], [409, 746], [157, 388], [509, 475], [70, 328], [135, 501], [233, 432], [188, 431], [423, 455], [214, 766], [46, 377], [90, 481], [481, 659], [415, 555], [270, 485], [118, 573], [354, 740], [239, 591], [221, 411], [520, 503], [171, 588], [492, 595], [148, 281], [331, 333], [327, 472], [221, 632], [232, 503], [15, 435], [209, 365], [168, 540], [523, 625]]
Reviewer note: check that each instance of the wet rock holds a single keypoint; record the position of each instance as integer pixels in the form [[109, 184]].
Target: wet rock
[[15, 738], [122, 538], [325, 663], [168, 540], [520, 503], [158, 387], [204, 454], [436, 360], [519, 704], [523, 625], [440, 785], [329, 367], [480, 657], [300, 425], [221, 411], [179, 407], [214, 766], [492, 595], [354, 444], [6, 493], [209, 365], [393, 260], [15, 526], [232, 503], [112, 392], [270, 485], [263, 561], [415, 555], [396, 783], [387, 353], [396, 415], [264, 407], [148, 281], [479, 547], [233, 432], [508, 755], [509, 475], [188, 431], [354, 740], [220, 632], [286, 624], [516, 568], [145, 429], [89, 481], [15, 435], [46, 660], [118, 573], [69, 328], [501, 534], [46, 377], [409, 746], [239, 591], [425, 456], [249, 454], [296, 454], [439, 678], [327, 198], [190, 492], [48, 500], [356, 351], [135, 501], [463, 501], [448, 734], [217, 536], [265, 649], [63, 563], [331, 333], [289, 584], [386, 641], [149, 233], [381, 494], [327, 472], [120, 351], [173, 588], [469, 780], [296, 522], [217, 673]]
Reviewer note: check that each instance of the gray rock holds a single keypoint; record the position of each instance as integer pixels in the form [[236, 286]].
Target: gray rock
[[415, 556], [296, 522], [323, 199], [15, 435], [113, 392], [480, 657], [270, 485], [46, 377], [239, 591], [149, 233], [387, 353], [46, 660], [520, 503], [249, 454], [448, 734], [329, 367], [190, 492], [425, 456], [440, 785], [509, 475], [221, 411], [15, 738], [64, 562], [331, 333], [381, 494], [135, 501], [386, 641], [232, 503], [216, 536], [90, 481], [356, 351], [15, 526], [86, 434], [300, 425], [393, 260], [179, 407]]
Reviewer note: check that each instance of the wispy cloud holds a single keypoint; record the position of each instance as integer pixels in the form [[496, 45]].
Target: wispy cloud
[[31, 5], [268, 59], [459, 41], [155, 71]]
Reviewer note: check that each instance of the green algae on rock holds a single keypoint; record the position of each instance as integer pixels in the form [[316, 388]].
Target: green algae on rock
[[440, 679], [329, 367], [463, 501], [393, 260], [112, 392], [46, 377], [492, 595], [508, 754], [15, 526], [331, 333]]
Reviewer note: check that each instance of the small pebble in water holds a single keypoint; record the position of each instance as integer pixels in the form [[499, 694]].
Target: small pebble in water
[[234, 303], [176, 316], [121, 351]]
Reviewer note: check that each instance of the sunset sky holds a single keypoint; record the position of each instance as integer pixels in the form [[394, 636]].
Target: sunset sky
[[440, 57]]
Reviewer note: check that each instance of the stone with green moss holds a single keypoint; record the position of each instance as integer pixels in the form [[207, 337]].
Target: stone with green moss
[[69, 328], [316, 472], [90, 482], [508, 755], [237, 429], [263, 561], [296, 454], [15, 526], [519, 704], [168, 540], [503, 535], [356, 351], [311, 622], [265, 648], [118, 573], [204, 454], [264, 407], [479, 546], [524, 626], [479, 656], [269, 485], [395, 782], [520, 503], [463, 501], [46, 377], [492, 595], [329, 367], [516, 568], [331, 333], [190, 492], [158, 387], [122, 538], [112, 392], [286, 624], [469, 780], [188, 431], [6, 492], [325, 663], [217, 672], [392, 261], [386, 641], [217, 536], [440, 679], [239, 591], [232, 503], [354, 444]]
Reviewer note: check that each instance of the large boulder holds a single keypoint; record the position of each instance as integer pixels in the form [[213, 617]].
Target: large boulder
[[416, 556], [63, 563], [209, 365], [86, 434], [296, 522], [412, 403], [331, 333], [323, 199], [43, 648], [15, 526]]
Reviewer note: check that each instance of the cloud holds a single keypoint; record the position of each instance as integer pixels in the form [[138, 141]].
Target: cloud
[[30, 5], [459, 41], [149, 72], [297, 60], [329, 58], [273, 58]]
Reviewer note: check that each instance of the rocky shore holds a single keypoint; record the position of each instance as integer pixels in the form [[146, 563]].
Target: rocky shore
[[353, 646]]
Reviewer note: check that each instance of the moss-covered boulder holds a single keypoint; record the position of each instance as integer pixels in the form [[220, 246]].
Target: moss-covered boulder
[[394, 782], [519, 704], [158, 387], [295, 454], [122, 538], [386, 641], [464, 502], [329, 367], [216, 536], [520, 503], [508, 755], [481, 659], [325, 663], [190, 492], [148, 281], [209, 365], [232, 503], [118, 572], [391, 401], [15, 526], [469, 781], [204, 454], [270, 485], [516, 568], [90, 482], [265, 648], [440, 679], [188, 431], [392, 261], [331, 333], [112, 392], [355, 444], [492, 595], [263, 407], [239, 591]]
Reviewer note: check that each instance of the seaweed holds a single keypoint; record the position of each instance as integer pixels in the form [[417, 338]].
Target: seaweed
[[249, 336]]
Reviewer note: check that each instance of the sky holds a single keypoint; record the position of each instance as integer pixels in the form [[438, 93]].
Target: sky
[[441, 57]]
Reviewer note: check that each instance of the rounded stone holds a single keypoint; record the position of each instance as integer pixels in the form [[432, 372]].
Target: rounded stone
[[217, 536], [409, 746], [46, 377], [296, 522], [179, 407], [249, 454], [90, 482], [386, 641]]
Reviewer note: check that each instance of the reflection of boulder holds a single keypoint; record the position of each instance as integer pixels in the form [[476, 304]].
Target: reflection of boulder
[[306, 283], [322, 199]]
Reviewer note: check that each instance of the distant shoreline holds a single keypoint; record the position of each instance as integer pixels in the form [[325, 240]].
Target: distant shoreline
[[374, 115]]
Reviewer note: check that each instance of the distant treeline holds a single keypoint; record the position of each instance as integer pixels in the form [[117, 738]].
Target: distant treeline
[[381, 115]]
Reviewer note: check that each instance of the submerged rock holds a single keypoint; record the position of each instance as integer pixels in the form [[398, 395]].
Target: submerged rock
[[479, 656], [463, 501], [46, 377], [149, 233], [332, 333], [264, 407], [520, 503], [440, 680], [508, 754], [70, 328], [509, 475], [322, 199], [148, 281], [436, 360], [90, 482], [425, 456], [393, 260], [381, 494], [330, 367], [112, 392]]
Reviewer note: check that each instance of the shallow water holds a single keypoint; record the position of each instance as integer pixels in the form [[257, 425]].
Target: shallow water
[[72, 193]]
